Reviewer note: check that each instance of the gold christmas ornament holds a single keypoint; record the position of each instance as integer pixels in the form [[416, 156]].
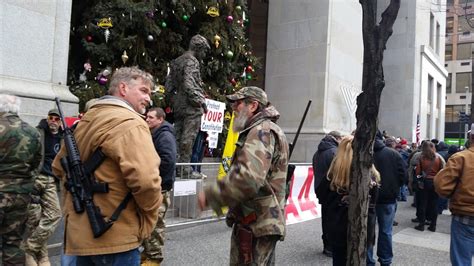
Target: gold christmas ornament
[[124, 57], [213, 11], [217, 40]]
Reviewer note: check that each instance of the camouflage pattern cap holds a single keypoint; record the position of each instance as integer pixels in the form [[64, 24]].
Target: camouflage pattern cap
[[53, 112], [249, 92]]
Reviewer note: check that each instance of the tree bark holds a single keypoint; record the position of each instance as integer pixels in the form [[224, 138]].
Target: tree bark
[[375, 38]]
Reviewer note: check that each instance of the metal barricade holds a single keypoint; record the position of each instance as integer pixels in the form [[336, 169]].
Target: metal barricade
[[191, 178]]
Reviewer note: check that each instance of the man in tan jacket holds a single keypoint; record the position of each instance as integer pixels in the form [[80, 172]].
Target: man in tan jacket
[[456, 182], [115, 124]]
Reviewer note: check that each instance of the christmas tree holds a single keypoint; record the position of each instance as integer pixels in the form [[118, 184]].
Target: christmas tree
[[106, 35]]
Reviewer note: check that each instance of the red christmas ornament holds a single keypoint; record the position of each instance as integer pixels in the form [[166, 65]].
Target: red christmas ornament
[[233, 82], [89, 38], [249, 69], [168, 110]]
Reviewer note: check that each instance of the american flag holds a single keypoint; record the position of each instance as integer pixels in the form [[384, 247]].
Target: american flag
[[418, 130]]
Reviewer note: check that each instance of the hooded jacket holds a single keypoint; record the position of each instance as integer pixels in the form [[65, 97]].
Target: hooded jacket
[[321, 161], [392, 170], [165, 145], [256, 181], [131, 165]]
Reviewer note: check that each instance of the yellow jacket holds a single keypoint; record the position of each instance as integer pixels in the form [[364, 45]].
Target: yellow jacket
[[131, 164], [456, 181]]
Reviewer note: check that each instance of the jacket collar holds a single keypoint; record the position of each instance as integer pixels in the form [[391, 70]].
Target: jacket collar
[[113, 100]]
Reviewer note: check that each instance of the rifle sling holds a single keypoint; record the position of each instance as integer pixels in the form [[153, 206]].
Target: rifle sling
[[90, 166], [121, 207], [94, 161]]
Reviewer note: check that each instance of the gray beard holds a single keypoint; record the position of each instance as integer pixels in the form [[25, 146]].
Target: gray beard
[[240, 121]]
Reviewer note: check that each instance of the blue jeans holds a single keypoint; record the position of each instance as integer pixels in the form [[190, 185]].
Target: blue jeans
[[198, 150], [131, 258], [68, 260], [402, 195], [462, 243], [385, 215]]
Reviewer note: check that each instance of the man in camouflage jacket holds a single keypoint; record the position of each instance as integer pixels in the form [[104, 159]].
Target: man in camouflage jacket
[[20, 156], [254, 188], [189, 103]]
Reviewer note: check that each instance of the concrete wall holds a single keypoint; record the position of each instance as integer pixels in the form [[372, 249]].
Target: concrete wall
[[314, 51], [34, 54], [408, 61]]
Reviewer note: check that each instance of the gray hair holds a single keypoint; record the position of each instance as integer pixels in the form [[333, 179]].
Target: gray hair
[[160, 113], [129, 75], [9, 103]]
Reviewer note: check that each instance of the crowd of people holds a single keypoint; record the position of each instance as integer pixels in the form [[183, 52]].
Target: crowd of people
[[131, 151], [118, 191], [398, 170]]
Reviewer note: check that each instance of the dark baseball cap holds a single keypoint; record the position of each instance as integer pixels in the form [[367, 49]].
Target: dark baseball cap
[[249, 92], [53, 112]]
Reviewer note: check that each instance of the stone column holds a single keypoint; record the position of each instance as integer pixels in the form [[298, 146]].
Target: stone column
[[34, 55], [314, 51]]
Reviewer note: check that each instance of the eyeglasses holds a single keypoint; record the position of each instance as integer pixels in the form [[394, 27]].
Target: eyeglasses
[[54, 118], [236, 103]]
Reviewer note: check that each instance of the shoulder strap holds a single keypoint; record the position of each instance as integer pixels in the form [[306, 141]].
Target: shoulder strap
[[121, 207]]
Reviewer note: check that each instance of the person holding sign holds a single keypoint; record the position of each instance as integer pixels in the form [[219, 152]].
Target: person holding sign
[[254, 188]]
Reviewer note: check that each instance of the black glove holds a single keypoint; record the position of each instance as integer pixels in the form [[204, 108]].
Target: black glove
[[204, 107]]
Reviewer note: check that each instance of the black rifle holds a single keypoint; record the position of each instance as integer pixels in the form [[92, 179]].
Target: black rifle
[[80, 181], [291, 167]]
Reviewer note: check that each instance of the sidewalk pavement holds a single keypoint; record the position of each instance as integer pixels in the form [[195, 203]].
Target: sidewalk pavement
[[208, 244]]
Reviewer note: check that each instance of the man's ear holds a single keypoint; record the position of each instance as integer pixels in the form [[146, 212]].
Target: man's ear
[[253, 106], [122, 88]]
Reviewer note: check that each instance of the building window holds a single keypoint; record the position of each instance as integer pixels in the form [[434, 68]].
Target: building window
[[430, 89], [448, 83], [432, 25], [438, 32], [449, 25], [463, 82], [428, 125], [448, 55], [451, 114], [438, 95], [464, 51], [450, 2]]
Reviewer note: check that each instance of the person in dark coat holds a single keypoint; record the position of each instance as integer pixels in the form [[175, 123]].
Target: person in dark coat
[[164, 140], [393, 175], [337, 201], [321, 161]]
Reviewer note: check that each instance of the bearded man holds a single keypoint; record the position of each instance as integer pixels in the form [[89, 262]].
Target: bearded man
[[254, 188]]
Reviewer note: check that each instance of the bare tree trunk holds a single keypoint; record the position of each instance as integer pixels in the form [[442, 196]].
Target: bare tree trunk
[[375, 38]]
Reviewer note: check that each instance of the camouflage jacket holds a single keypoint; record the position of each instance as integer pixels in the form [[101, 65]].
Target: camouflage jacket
[[20, 154], [256, 179], [185, 80]]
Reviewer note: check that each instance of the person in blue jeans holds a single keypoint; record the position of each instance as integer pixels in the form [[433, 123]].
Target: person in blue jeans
[[456, 182], [131, 258], [393, 175]]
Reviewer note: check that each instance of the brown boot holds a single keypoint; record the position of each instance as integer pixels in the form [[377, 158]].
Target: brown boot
[[30, 260], [149, 262], [44, 262]]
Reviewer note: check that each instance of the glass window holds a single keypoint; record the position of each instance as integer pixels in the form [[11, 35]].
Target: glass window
[[438, 33], [464, 51], [452, 112], [448, 83], [438, 95], [432, 33], [448, 55], [463, 80], [449, 25], [430, 89], [449, 2]]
